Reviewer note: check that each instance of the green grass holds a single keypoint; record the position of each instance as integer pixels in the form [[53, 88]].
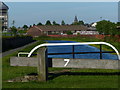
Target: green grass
[[59, 80], [67, 81]]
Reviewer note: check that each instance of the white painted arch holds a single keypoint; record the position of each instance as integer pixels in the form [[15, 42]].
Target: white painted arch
[[79, 43]]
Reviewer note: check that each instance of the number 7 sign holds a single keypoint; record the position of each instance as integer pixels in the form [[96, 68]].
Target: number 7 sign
[[67, 61]]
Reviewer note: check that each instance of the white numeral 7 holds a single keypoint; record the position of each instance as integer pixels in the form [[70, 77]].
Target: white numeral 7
[[67, 61]]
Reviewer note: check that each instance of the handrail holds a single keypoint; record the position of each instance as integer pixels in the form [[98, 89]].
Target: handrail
[[80, 43], [22, 53]]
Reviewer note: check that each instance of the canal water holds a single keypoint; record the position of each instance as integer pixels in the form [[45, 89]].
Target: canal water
[[77, 48]]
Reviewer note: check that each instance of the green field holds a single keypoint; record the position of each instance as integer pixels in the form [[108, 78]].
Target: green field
[[64, 78]]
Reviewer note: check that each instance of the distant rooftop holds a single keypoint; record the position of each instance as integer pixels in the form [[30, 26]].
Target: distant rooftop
[[3, 6], [61, 27]]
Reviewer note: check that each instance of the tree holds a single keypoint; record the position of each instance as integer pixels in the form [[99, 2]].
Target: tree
[[18, 27], [118, 28], [30, 26], [106, 27], [39, 23], [81, 23], [69, 33], [33, 24], [25, 27], [21, 32], [54, 23], [48, 22], [14, 30], [86, 24], [118, 23], [62, 23], [74, 23], [78, 23]]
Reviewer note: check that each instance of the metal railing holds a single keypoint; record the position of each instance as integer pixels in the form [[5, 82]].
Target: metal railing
[[73, 52]]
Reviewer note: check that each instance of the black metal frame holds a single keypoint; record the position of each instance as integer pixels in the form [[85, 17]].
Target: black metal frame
[[73, 53]]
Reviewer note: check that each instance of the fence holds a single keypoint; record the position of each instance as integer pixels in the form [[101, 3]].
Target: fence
[[42, 62], [83, 43]]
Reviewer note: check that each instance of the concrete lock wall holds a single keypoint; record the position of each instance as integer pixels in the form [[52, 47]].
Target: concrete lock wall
[[67, 63], [23, 61], [86, 63]]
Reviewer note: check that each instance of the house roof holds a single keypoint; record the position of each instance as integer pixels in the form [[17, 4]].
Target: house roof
[[3, 6], [61, 27]]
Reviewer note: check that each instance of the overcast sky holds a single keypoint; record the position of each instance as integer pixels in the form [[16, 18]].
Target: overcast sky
[[34, 12]]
